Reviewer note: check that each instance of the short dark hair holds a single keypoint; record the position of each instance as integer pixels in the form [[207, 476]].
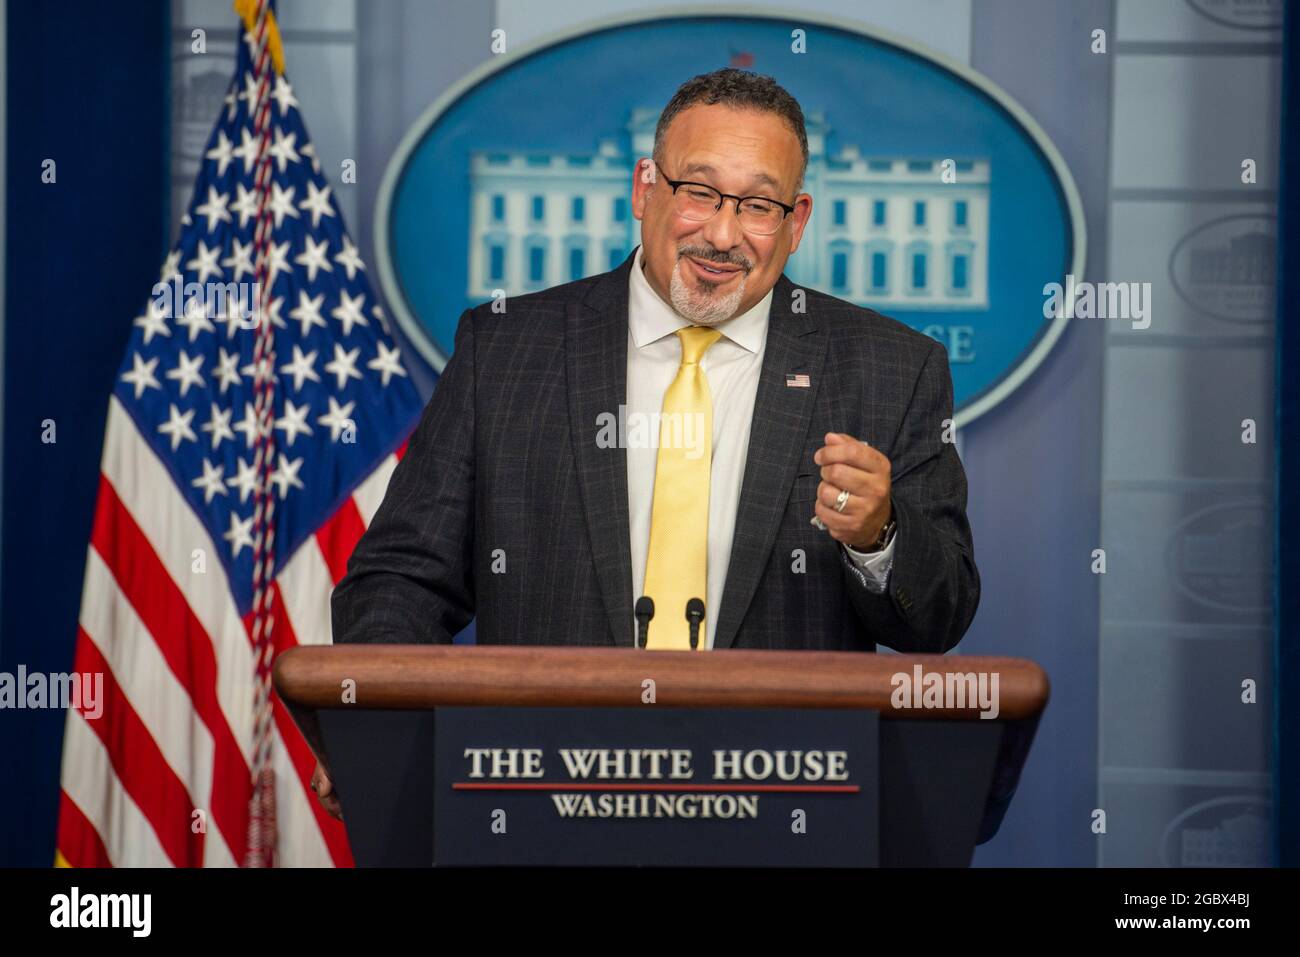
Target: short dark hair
[[740, 89]]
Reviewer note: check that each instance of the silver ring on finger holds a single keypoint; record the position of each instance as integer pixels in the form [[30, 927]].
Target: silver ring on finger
[[841, 500]]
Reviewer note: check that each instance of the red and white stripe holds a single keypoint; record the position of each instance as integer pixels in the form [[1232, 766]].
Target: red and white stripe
[[176, 736]]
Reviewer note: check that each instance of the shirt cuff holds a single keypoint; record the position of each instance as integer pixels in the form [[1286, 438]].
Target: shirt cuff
[[873, 567]]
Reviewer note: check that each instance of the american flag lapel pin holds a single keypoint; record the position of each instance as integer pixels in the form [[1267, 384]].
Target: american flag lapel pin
[[793, 381]]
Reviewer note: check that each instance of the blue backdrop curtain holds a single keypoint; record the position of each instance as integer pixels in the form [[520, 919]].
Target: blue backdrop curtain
[[87, 87]]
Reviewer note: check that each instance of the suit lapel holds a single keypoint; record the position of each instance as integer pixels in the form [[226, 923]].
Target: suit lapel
[[596, 356], [782, 414]]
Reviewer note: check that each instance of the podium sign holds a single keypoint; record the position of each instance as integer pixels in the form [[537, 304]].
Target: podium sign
[[656, 786], [537, 756]]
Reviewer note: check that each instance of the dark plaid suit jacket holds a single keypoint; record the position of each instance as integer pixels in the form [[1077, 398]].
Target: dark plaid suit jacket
[[505, 507]]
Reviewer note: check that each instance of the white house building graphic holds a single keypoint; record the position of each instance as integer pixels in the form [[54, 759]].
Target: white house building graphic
[[886, 231]]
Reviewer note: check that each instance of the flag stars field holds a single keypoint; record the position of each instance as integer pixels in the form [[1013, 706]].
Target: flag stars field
[[222, 153], [214, 210], [326, 345], [283, 149], [348, 312], [227, 370], [348, 259], [313, 258], [177, 427], [344, 365], [153, 322], [317, 203], [244, 479], [240, 259], [210, 481], [307, 312], [218, 425], [195, 319], [294, 421], [282, 204], [141, 376]]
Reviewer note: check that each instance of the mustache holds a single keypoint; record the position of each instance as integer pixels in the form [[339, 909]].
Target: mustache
[[712, 255]]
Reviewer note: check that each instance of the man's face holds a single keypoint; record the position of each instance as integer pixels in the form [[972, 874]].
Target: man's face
[[741, 152]]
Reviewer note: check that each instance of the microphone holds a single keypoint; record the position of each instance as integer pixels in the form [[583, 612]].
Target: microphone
[[645, 610], [695, 615]]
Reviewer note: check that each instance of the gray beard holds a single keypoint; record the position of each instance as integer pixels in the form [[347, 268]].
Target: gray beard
[[702, 308]]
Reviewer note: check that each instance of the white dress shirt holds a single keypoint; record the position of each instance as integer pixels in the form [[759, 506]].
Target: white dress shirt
[[732, 366]]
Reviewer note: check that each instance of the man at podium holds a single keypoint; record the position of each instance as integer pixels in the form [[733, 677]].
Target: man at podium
[[689, 451]]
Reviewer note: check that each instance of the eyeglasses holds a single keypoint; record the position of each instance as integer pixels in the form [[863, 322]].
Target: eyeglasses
[[700, 202]]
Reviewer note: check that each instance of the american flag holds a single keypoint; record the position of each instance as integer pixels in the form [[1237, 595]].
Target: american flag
[[237, 453]]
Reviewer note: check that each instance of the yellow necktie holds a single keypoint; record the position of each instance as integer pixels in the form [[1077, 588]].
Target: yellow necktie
[[677, 564]]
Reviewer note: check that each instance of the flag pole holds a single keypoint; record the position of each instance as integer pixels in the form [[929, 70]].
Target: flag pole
[[262, 817]]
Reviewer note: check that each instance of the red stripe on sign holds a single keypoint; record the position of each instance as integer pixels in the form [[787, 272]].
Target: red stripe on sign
[[79, 842], [300, 754], [401, 449], [184, 645], [140, 766], [339, 536]]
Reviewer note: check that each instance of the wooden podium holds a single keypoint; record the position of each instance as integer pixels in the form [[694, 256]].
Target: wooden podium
[[937, 781]]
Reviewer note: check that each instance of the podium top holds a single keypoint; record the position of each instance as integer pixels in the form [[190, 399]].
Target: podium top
[[417, 677]]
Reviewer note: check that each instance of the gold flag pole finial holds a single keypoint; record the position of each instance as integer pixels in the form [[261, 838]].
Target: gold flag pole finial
[[247, 10]]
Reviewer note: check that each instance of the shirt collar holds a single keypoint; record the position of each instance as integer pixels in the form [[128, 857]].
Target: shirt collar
[[651, 319]]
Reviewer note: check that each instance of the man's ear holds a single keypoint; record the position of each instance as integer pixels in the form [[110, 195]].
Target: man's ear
[[802, 213], [644, 175]]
